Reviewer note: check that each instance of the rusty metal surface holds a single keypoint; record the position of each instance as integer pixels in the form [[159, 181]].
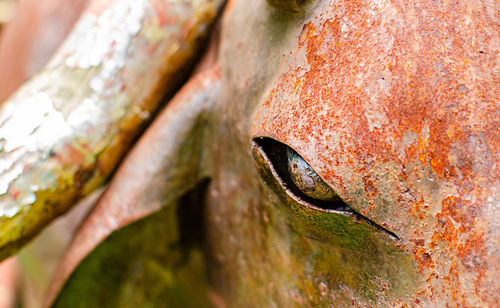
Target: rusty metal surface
[[65, 130], [167, 161], [393, 104]]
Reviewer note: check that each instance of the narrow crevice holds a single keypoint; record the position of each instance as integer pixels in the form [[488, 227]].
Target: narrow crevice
[[276, 153], [191, 214]]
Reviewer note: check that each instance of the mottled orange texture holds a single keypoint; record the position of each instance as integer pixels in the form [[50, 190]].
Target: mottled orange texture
[[396, 104]]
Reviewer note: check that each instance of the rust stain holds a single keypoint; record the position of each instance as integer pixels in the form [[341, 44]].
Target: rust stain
[[372, 91]]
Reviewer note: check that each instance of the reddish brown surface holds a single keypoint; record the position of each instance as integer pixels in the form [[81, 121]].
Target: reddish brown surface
[[32, 36], [120, 57], [8, 279], [401, 102], [155, 161], [394, 104]]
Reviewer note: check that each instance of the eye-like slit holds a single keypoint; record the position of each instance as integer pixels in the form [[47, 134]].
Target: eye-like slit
[[276, 154]]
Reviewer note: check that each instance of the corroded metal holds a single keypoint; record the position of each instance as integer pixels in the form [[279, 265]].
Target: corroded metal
[[167, 164], [395, 111], [392, 104], [65, 130]]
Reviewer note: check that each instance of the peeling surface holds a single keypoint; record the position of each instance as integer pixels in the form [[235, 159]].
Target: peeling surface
[[65, 130], [167, 164], [29, 128], [393, 104], [411, 98], [116, 25]]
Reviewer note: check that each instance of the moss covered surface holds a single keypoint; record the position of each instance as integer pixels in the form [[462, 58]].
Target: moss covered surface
[[150, 263]]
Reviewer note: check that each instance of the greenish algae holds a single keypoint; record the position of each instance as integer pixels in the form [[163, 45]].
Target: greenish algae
[[154, 262], [335, 255]]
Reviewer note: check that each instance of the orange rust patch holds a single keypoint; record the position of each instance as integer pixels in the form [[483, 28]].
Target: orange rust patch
[[411, 89]]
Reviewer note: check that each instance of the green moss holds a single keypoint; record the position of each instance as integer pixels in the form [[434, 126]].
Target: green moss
[[147, 264], [345, 258]]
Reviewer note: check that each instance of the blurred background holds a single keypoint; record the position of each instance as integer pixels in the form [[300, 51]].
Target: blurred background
[[30, 32]]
